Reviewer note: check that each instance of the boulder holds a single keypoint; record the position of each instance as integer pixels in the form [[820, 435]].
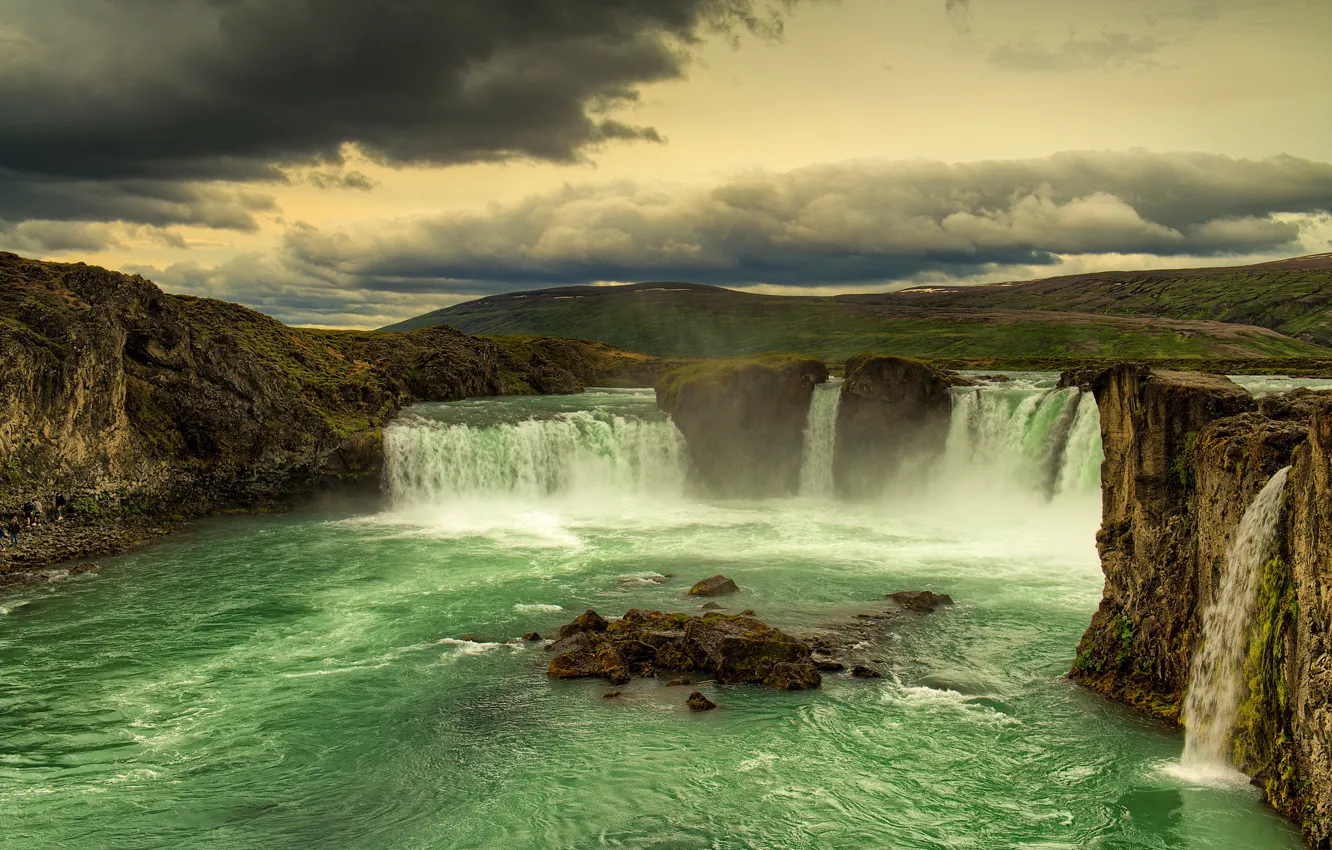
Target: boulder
[[588, 621], [718, 585], [697, 702], [741, 649], [575, 657], [860, 671], [793, 676], [611, 663], [924, 601], [532, 636]]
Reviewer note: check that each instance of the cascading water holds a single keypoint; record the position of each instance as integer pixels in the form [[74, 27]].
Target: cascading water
[[1041, 438], [1024, 436], [1216, 680], [428, 460], [816, 470], [1081, 469]]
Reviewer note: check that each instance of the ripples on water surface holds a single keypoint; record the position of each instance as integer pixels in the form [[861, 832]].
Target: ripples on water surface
[[297, 682]]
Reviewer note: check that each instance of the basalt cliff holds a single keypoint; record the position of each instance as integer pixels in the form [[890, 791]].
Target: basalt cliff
[[130, 400], [743, 420], [1185, 455], [893, 412]]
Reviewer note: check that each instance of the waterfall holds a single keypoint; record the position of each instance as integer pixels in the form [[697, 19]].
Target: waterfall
[[816, 468], [1006, 442], [1081, 469], [1216, 679], [579, 451], [1046, 440]]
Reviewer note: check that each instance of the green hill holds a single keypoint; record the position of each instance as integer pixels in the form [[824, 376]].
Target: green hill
[[1292, 297], [1247, 312]]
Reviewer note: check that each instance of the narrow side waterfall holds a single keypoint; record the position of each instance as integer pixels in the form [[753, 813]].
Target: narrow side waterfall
[[1216, 679], [1081, 468], [816, 469], [578, 451], [1046, 440]]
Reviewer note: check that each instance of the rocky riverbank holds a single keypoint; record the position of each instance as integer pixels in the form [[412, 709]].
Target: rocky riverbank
[[135, 403], [53, 544], [1185, 455]]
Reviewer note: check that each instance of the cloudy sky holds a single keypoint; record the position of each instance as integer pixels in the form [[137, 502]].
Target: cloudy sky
[[344, 163]]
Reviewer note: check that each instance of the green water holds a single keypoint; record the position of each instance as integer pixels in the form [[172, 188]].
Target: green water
[[297, 682]]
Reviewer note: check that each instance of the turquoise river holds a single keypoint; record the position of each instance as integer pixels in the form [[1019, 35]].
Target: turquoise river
[[303, 681]]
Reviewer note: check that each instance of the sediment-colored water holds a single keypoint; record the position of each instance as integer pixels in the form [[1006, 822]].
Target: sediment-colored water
[[301, 681]]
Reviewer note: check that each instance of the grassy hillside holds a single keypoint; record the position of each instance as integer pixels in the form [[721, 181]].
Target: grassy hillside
[[686, 320], [1293, 297]]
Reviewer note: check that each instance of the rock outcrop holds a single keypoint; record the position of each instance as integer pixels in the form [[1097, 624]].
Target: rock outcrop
[[697, 702], [924, 601], [1185, 455], [744, 421], [718, 585], [131, 400], [893, 412], [734, 648]]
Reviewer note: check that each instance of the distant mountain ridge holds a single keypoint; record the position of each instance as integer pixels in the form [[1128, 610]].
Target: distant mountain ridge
[[1277, 309]]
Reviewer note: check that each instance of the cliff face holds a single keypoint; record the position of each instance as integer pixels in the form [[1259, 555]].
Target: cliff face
[[1185, 455], [744, 421], [1300, 652], [116, 391], [892, 411]]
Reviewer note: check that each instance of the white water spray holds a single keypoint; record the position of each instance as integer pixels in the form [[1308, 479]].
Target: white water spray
[[1081, 469], [581, 451], [1043, 440], [816, 469], [1216, 679], [1007, 443]]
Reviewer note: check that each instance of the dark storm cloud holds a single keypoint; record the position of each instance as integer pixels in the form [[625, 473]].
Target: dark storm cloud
[[163, 94], [850, 223], [140, 200], [846, 223]]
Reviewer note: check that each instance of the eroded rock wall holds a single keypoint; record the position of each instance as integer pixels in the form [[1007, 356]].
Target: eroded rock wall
[[893, 412], [1185, 455], [744, 421], [1297, 622]]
